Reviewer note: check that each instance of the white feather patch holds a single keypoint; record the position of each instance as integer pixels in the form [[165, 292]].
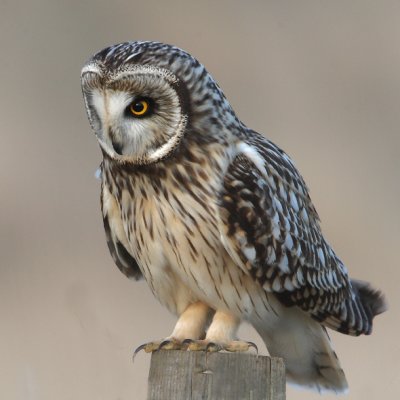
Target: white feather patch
[[98, 174], [284, 264], [288, 241], [321, 255], [253, 155], [293, 201], [250, 253]]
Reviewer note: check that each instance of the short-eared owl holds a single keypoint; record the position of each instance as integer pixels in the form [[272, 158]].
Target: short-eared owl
[[214, 216]]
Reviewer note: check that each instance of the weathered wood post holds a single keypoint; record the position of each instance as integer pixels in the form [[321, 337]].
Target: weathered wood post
[[196, 375]]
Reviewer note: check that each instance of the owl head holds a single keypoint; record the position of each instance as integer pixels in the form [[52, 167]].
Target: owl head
[[144, 99]]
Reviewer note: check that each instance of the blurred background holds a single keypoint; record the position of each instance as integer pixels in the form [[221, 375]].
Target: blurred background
[[320, 78]]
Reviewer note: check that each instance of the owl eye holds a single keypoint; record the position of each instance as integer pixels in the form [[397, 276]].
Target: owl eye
[[140, 107]]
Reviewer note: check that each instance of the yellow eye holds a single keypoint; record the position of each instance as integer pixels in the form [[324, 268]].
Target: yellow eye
[[139, 107]]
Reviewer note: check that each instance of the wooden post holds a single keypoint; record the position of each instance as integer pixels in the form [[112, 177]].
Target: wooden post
[[196, 375]]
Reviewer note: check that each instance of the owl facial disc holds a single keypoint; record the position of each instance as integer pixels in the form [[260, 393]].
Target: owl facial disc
[[135, 111]]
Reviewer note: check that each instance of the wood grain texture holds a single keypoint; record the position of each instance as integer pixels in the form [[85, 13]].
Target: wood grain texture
[[186, 375]]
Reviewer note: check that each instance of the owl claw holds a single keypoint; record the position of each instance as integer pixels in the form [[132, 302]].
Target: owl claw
[[140, 348], [148, 348], [214, 347], [166, 344], [187, 343], [240, 346], [170, 344]]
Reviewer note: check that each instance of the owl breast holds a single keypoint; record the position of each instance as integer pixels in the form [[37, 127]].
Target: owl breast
[[171, 225]]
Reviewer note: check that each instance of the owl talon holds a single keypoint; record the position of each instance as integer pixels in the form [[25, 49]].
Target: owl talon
[[187, 343], [147, 347], [150, 347], [166, 344], [214, 347], [240, 346], [170, 344]]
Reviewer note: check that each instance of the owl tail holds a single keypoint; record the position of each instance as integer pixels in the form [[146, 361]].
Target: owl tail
[[356, 314], [307, 351], [372, 300]]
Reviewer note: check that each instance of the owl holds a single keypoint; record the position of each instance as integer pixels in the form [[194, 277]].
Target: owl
[[215, 217]]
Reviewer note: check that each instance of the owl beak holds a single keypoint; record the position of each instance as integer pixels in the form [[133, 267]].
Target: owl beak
[[115, 142], [117, 147]]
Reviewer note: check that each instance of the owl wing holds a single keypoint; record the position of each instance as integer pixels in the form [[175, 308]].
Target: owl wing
[[115, 235], [271, 229]]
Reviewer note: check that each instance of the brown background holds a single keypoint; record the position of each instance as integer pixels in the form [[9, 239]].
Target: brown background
[[318, 77]]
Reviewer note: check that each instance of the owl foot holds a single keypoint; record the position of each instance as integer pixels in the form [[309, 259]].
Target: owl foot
[[196, 345], [209, 346]]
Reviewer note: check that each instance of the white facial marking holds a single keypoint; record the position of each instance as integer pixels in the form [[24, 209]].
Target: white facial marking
[[130, 70], [92, 67], [168, 146], [117, 102], [98, 102]]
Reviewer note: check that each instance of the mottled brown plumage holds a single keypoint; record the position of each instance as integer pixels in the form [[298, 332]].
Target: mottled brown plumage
[[214, 216]]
